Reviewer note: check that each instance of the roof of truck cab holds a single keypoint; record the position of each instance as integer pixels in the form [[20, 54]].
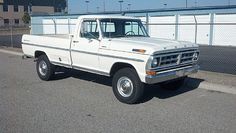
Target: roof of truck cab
[[106, 16]]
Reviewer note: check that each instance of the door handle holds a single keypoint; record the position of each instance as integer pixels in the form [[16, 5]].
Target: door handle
[[75, 41]]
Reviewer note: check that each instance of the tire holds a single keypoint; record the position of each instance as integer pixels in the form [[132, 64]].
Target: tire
[[45, 69], [134, 87], [174, 84]]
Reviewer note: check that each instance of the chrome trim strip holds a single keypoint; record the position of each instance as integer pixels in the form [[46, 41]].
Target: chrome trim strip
[[174, 69], [172, 66], [175, 50], [45, 46], [166, 76], [91, 71], [84, 52], [91, 53], [109, 56], [123, 51], [81, 68]]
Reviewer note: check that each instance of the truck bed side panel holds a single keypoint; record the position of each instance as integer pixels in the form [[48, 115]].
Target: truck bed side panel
[[57, 49]]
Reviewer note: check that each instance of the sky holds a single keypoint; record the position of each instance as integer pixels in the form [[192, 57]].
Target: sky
[[80, 6]]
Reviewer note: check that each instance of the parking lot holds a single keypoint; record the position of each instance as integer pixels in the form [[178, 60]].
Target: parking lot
[[82, 102]]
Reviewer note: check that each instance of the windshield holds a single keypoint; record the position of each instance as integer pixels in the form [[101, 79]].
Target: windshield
[[112, 28]]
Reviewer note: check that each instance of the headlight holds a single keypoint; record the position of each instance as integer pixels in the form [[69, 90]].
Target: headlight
[[195, 56], [155, 62]]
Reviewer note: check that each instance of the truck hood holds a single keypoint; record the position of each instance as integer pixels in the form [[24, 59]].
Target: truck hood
[[149, 44]]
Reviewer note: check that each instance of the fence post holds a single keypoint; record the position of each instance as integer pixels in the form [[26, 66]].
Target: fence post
[[69, 26], [211, 35], [196, 25], [55, 25], [11, 26], [177, 27], [147, 22]]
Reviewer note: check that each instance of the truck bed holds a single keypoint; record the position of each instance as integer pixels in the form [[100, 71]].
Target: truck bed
[[57, 47]]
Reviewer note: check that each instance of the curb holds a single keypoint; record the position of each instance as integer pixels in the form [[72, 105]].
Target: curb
[[203, 85], [218, 87]]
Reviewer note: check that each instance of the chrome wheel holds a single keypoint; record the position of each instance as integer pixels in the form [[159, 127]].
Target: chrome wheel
[[43, 68], [125, 87]]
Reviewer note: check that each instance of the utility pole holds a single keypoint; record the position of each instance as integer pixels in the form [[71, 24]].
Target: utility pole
[[121, 1], [165, 5], [129, 6], [97, 9], [87, 4], [186, 3], [104, 6]]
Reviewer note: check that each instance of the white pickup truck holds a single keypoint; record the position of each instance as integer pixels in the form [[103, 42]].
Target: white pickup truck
[[118, 47]]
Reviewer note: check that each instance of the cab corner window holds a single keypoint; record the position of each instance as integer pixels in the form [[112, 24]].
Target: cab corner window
[[89, 29]]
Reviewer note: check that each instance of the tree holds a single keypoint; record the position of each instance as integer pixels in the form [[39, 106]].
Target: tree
[[26, 18]]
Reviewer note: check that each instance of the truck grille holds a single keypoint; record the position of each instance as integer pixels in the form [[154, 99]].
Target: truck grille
[[177, 58], [168, 60]]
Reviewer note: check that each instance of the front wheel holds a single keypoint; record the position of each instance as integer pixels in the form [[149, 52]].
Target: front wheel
[[127, 86], [45, 69]]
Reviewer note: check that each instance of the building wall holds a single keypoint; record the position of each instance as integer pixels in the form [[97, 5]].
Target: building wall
[[43, 9], [11, 15], [179, 27]]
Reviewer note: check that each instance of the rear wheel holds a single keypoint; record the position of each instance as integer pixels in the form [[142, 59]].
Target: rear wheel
[[45, 69], [174, 84], [127, 86]]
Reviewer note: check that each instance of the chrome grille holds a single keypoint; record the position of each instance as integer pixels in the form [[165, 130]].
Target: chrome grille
[[168, 60], [177, 58]]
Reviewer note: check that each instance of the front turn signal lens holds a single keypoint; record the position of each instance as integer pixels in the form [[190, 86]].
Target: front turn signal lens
[[151, 73], [139, 50]]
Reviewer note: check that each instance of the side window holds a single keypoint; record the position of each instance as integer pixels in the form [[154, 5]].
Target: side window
[[89, 29]]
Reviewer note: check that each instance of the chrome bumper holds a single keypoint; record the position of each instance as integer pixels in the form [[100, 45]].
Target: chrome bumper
[[172, 74]]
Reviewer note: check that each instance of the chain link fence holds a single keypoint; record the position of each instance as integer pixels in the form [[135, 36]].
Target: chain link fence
[[10, 36]]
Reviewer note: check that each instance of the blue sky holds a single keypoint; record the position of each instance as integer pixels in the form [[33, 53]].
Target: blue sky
[[79, 6]]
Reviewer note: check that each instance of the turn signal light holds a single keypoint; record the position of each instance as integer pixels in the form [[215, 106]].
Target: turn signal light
[[151, 73], [139, 50]]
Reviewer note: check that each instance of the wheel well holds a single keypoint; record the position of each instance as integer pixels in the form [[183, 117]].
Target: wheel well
[[38, 53], [118, 66]]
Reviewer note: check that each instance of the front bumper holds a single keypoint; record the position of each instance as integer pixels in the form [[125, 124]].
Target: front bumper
[[172, 74]]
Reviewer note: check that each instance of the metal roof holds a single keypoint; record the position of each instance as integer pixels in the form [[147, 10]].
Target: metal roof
[[164, 11]]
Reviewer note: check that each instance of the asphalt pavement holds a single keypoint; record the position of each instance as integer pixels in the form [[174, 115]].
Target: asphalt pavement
[[76, 101]]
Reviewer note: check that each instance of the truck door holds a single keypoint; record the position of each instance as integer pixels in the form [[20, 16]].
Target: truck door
[[84, 48]]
